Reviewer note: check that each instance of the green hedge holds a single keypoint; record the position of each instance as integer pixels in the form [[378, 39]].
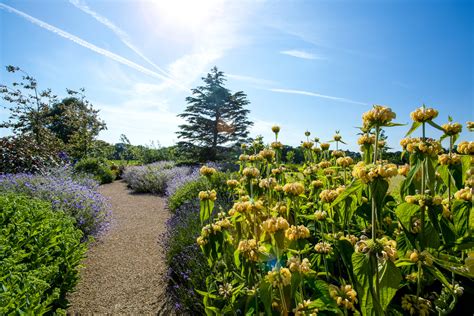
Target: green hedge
[[97, 168], [40, 252]]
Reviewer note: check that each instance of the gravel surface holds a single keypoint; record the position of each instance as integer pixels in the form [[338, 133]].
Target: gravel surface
[[123, 272]]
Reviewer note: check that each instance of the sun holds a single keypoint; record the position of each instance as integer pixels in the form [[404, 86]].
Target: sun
[[188, 15]]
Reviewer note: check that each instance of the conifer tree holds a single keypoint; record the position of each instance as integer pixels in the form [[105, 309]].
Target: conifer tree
[[216, 118]]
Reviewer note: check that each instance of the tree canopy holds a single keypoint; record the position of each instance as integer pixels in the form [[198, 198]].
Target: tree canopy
[[216, 119]]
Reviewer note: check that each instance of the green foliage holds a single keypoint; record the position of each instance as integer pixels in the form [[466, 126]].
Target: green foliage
[[38, 116], [23, 154], [40, 254], [97, 168], [76, 123], [187, 193], [216, 118]]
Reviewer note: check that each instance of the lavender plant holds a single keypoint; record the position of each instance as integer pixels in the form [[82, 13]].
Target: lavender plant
[[77, 197]]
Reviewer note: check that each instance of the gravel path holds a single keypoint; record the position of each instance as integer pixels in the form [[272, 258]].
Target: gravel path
[[124, 268]]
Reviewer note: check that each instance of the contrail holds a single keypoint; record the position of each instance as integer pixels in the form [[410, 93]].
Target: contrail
[[118, 31], [88, 45], [317, 95]]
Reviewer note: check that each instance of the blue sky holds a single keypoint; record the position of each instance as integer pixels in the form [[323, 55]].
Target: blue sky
[[305, 65]]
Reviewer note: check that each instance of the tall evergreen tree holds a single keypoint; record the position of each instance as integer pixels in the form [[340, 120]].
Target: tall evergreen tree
[[216, 118]]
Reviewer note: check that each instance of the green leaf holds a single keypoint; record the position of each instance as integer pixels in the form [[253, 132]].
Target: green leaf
[[266, 296], [435, 125], [355, 186], [413, 128], [364, 278], [461, 217], [379, 189], [389, 282], [405, 211]]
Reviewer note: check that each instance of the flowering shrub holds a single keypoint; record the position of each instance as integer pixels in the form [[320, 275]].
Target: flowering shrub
[[187, 267], [328, 237], [39, 256], [152, 178], [77, 197]]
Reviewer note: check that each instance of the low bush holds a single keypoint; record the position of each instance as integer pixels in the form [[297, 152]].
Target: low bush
[[40, 254], [97, 168], [76, 197], [153, 178]]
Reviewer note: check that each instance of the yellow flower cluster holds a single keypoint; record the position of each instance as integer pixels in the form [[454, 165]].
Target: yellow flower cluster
[[337, 137], [278, 170], [350, 238], [452, 129], [464, 194], [416, 305], [220, 223], [311, 170], [249, 249], [328, 196], [274, 224], [385, 247], [207, 171], [225, 290], [424, 256], [403, 170], [255, 158], [275, 129], [337, 153], [429, 146], [269, 183], [320, 215], [344, 161], [280, 208], [307, 145], [423, 114], [366, 140], [246, 206], [296, 265], [466, 148], [232, 183], [251, 172], [446, 159], [470, 125], [367, 173], [324, 164], [208, 195], [302, 309], [324, 146], [317, 184], [323, 248], [423, 200], [297, 232], [389, 249], [345, 296], [279, 277], [293, 189], [267, 154], [243, 157], [379, 115], [276, 145]]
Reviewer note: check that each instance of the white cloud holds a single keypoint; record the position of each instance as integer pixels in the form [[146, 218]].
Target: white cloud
[[88, 45], [300, 54], [317, 95]]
